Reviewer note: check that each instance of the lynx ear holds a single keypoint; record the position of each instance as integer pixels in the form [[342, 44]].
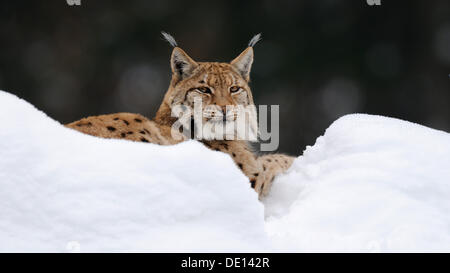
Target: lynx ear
[[243, 63], [182, 65]]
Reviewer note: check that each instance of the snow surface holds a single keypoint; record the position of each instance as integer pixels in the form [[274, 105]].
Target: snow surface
[[61, 190], [370, 183]]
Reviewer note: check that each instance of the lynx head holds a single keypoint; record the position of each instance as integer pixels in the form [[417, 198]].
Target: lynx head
[[222, 88]]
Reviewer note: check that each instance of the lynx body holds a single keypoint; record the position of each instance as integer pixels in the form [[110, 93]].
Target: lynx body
[[217, 86]]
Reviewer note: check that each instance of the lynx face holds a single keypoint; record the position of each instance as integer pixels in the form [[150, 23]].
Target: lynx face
[[218, 93]]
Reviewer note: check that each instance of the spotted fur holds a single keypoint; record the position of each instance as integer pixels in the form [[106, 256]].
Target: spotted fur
[[216, 85]]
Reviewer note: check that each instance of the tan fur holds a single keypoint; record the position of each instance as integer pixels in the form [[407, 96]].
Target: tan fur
[[188, 78], [273, 164], [126, 126]]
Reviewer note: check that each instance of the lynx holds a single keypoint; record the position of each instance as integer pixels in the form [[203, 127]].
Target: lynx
[[216, 85]]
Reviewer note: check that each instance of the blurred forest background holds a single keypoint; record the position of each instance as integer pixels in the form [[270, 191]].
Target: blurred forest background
[[318, 60]]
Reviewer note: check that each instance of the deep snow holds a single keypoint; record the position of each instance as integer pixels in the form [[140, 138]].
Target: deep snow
[[62, 190], [370, 183]]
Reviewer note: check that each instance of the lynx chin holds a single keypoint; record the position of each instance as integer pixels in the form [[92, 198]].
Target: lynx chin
[[203, 94]]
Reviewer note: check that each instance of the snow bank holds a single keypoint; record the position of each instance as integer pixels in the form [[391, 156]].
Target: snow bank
[[61, 190], [369, 184]]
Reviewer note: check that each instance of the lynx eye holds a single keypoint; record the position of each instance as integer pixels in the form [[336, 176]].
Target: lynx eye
[[205, 90], [235, 89]]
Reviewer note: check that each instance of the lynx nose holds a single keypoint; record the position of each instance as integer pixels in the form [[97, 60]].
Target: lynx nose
[[224, 113]]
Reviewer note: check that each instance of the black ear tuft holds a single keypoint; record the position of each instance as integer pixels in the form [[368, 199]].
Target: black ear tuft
[[254, 40], [169, 38]]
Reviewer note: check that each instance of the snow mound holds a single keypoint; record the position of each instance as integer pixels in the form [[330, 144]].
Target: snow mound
[[61, 190], [370, 183]]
